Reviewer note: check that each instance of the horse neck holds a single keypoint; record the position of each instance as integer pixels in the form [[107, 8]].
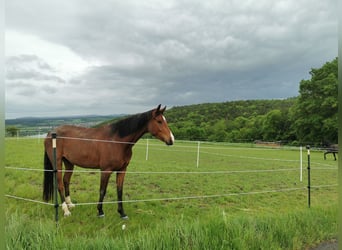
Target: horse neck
[[132, 138]]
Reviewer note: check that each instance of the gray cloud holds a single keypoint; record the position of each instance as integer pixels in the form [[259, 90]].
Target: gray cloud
[[30, 67], [176, 52], [30, 74]]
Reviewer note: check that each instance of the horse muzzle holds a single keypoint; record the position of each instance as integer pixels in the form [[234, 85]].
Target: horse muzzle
[[170, 141]]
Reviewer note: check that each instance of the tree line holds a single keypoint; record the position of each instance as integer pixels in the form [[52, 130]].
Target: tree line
[[309, 118]]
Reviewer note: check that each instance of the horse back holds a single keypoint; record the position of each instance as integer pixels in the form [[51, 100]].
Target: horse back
[[87, 147], [333, 148]]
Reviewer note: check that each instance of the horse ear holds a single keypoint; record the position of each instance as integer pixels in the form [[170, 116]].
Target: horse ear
[[158, 108], [162, 110], [156, 111], [159, 111]]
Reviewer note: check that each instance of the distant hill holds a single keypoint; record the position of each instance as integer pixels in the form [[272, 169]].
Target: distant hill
[[211, 112], [29, 122], [206, 121], [233, 121]]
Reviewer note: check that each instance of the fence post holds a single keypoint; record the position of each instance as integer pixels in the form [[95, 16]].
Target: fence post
[[198, 152], [54, 146], [309, 177], [301, 163], [38, 135], [146, 149]]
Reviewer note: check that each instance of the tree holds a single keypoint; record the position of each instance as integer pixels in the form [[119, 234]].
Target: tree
[[273, 125], [315, 113], [218, 131]]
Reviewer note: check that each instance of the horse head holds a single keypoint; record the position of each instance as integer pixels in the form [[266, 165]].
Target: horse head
[[158, 126]]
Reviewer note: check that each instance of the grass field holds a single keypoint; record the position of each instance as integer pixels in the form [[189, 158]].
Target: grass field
[[234, 196]]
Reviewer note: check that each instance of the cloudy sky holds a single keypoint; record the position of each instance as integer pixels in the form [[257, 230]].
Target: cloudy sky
[[72, 57]]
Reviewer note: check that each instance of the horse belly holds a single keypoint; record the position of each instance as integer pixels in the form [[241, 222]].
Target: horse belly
[[92, 155], [82, 156]]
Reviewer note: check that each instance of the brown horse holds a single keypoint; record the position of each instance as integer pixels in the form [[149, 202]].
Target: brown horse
[[108, 148]]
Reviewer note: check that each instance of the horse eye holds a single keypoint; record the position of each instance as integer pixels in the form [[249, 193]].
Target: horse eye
[[160, 122]]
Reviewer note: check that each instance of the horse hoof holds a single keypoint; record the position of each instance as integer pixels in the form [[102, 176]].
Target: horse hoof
[[125, 217], [101, 215], [67, 214]]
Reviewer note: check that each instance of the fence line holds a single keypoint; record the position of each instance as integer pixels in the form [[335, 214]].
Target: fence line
[[323, 164], [95, 140], [195, 143], [226, 155], [196, 146], [179, 198], [250, 157], [26, 199], [160, 172], [196, 197], [28, 169], [324, 168], [182, 172], [324, 186]]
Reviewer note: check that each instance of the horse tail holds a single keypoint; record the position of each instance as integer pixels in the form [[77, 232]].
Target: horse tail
[[48, 178]]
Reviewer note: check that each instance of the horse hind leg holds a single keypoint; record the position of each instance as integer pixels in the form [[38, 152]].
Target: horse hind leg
[[103, 189], [120, 176], [61, 188], [69, 167]]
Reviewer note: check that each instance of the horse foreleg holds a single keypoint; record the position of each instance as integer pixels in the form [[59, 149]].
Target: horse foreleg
[[103, 187], [120, 176], [69, 167]]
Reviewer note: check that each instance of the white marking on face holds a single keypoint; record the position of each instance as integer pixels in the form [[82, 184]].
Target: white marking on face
[[172, 137]]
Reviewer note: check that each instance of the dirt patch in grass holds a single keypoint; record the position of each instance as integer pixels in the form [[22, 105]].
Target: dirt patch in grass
[[329, 245]]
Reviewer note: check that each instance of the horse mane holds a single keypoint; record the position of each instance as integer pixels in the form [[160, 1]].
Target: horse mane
[[130, 124]]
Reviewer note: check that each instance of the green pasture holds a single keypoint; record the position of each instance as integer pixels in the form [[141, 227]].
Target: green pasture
[[233, 196]]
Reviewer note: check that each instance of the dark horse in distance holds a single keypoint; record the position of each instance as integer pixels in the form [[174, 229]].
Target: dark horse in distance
[[108, 148], [332, 149]]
